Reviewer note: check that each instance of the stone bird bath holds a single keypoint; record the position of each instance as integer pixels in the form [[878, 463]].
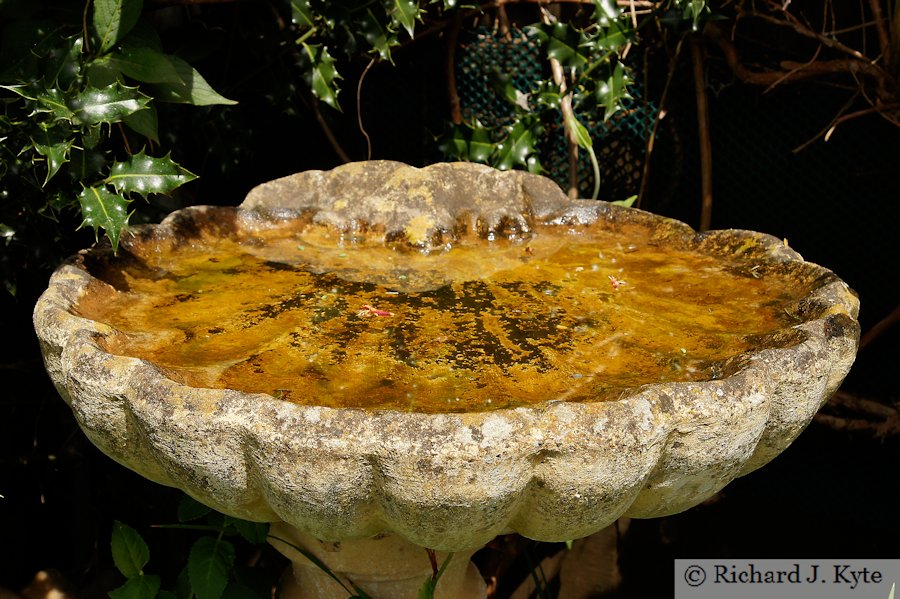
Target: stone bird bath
[[380, 358]]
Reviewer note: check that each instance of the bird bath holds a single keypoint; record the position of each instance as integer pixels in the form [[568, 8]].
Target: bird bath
[[380, 358]]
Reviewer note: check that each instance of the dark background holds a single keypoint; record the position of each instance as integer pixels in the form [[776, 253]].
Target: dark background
[[831, 494]]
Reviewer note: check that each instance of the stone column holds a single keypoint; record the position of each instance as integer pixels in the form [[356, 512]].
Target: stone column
[[385, 567]]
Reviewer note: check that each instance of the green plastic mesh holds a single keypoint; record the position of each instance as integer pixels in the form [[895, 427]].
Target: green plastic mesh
[[484, 57]]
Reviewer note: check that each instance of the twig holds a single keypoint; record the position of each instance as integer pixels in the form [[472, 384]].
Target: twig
[[880, 327], [791, 22], [884, 38], [124, 138], [849, 401], [790, 73], [329, 135], [703, 134], [84, 27], [359, 109], [795, 70], [861, 411], [828, 130], [565, 105], [452, 90], [660, 114]]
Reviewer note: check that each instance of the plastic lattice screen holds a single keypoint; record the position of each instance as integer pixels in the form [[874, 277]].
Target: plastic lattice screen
[[486, 59]]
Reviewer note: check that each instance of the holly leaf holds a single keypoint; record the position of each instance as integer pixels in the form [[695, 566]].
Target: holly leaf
[[145, 175], [611, 91], [137, 587], [470, 143], [129, 551], [52, 101], [110, 104], [209, 563], [606, 11], [377, 36], [189, 88], [102, 209], [54, 145], [563, 43], [694, 11], [613, 36], [322, 75], [405, 13], [480, 145], [516, 149], [301, 13], [113, 19]]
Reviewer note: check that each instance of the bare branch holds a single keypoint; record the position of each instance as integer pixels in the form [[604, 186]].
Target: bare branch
[[881, 326], [703, 134], [884, 39], [359, 118], [799, 27]]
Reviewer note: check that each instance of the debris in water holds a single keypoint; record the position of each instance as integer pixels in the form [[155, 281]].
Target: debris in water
[[366, 311]]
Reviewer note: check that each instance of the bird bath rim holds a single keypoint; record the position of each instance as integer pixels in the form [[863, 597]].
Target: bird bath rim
[[452, 481]]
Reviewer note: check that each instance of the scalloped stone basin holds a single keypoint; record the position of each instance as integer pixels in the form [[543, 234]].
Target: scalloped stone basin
[[380, 357]]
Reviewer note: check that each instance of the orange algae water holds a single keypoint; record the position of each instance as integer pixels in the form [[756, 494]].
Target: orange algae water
[[306, 314]]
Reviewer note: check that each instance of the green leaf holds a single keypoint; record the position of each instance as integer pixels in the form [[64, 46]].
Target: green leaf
[[189, 509], [579, 132], [562, 43], [426, 591], [627, 202], [301, 13], [322, 75], [144, 122], [481, 146], [470, 143], [110, 104], [145, 175], [236, 590], [52, 101], [209, 563], [54, 145], [613, 37], [516, 148], [255, 532], [129, 551], [102, 209], [140, 586], [694, 11], [7, 233], [405, 13], [145, 64], [378, 37], [606, 11], [190, 88], [613, 90], [113, 19]]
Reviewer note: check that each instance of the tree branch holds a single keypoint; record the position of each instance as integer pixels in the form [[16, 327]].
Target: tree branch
[[703, 134]]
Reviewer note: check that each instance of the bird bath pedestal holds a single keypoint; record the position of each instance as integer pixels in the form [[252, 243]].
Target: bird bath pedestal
[[380, 358]]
